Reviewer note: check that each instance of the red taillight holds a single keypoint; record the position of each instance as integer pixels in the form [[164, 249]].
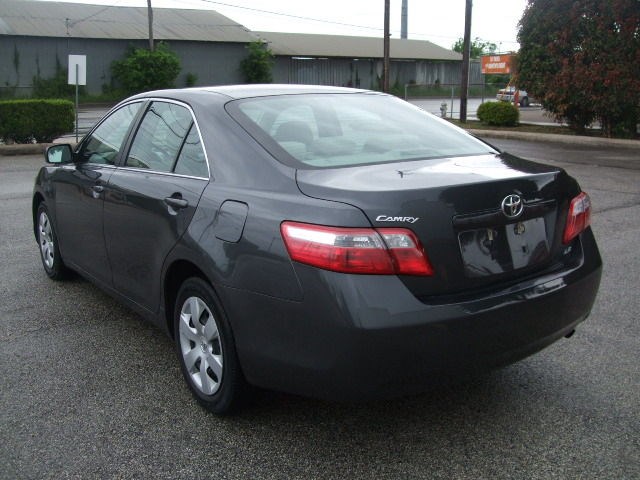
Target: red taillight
[[578, 218], [386, 251]]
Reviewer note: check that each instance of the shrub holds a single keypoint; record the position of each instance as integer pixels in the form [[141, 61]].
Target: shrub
[[23, 121], [142, 70], [502, 114], [257, 66], [190, 79]]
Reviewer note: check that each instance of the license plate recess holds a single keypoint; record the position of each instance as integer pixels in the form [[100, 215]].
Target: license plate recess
[[504, 248]]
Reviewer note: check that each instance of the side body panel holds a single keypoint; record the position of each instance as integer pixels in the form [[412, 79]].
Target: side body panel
[[140, 228], [79, 199]]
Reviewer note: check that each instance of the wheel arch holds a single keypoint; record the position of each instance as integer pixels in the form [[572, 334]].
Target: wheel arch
[[175, 275], [38, 198]]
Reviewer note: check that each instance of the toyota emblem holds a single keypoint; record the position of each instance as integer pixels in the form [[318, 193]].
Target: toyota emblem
[[512, 206]]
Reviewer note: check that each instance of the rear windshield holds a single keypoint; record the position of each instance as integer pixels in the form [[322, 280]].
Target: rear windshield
[[336, 130]]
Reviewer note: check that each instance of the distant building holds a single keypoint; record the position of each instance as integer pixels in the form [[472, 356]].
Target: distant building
[[357, 61], [37, 36]]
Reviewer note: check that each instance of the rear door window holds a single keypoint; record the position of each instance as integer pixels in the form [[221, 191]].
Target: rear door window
[[160, 137], [192, 160]]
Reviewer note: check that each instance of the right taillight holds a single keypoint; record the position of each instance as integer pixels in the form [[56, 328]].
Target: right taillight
[[578, 218]]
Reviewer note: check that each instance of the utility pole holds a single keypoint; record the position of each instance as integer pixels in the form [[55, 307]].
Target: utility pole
[[150, 16], [464, 81], [385, 67], [404, 20]]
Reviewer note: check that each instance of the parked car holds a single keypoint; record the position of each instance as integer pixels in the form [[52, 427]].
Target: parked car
[[323, 241], [506, 95]]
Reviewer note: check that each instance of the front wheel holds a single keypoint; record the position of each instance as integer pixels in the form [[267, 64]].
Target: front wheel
[[206, 348], [48, 243], [524, 102]]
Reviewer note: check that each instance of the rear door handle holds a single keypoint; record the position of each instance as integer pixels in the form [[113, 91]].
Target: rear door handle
[[176, 202]]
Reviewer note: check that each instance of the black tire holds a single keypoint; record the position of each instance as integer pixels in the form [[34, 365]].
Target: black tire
[[47, 239], [209, 362], [524, 102]]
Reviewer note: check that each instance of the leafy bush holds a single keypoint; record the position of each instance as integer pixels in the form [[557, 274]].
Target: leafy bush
[[502, 114], [142, 70], [23, 121], [257, 66]]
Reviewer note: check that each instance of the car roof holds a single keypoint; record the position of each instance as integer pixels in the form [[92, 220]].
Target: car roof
[[248, 91], [260, 90]]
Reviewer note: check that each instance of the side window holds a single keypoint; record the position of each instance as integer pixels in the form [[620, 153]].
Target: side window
[[192, 160], [105, 142], [160, 136]]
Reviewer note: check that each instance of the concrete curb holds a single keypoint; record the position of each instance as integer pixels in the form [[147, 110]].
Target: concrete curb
[[23, 149], [38, 148], [557, 138]]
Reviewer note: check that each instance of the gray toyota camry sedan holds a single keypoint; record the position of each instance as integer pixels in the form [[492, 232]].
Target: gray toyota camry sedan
[[322, 241]]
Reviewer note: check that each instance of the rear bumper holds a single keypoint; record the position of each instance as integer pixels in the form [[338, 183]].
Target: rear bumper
[[356, 337]]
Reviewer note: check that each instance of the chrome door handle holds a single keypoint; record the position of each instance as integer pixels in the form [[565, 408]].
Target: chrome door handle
[[96, 191], [176, 202]]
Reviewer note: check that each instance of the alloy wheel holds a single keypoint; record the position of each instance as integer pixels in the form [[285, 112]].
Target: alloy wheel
[[45, 238], [200, 345]]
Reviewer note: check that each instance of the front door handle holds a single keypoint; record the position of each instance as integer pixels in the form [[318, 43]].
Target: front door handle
[[96, 190], [176, 203]]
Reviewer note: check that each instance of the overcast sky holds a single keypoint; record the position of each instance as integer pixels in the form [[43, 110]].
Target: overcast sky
[[439, 21]]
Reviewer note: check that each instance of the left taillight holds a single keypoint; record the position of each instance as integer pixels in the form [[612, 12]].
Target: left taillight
[[384, 251], [578, 218]]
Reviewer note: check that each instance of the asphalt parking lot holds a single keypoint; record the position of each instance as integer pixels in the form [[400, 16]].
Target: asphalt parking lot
[[91, 391]]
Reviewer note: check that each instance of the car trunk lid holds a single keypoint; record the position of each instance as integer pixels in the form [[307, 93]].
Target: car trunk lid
[[456, 207]]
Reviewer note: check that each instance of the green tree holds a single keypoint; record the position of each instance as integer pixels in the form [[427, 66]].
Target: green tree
[[142, 70], [479, 47], [581, 59], [256, 67]]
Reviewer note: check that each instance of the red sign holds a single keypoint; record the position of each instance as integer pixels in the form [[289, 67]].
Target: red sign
[[496, 64]]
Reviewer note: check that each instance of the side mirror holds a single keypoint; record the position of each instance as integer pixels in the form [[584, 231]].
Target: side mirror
[[59, 154]]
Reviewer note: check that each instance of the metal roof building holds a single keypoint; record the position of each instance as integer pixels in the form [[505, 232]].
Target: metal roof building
[[313, 45], [79, 20], [36, 38], [357, 61]]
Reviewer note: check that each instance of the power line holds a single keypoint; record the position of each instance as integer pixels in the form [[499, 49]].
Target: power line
[[75, 22], [288, 15], [332, 22]]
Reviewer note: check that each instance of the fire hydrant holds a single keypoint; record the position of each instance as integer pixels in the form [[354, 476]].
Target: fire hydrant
[[443, 109]]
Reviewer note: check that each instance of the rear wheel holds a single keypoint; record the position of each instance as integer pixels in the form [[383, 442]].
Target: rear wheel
[[206, 348], [524, 102], [48, 243]]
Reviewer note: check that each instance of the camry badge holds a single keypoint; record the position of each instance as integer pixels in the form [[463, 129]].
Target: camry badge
[[386, 218], [512, 206]]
